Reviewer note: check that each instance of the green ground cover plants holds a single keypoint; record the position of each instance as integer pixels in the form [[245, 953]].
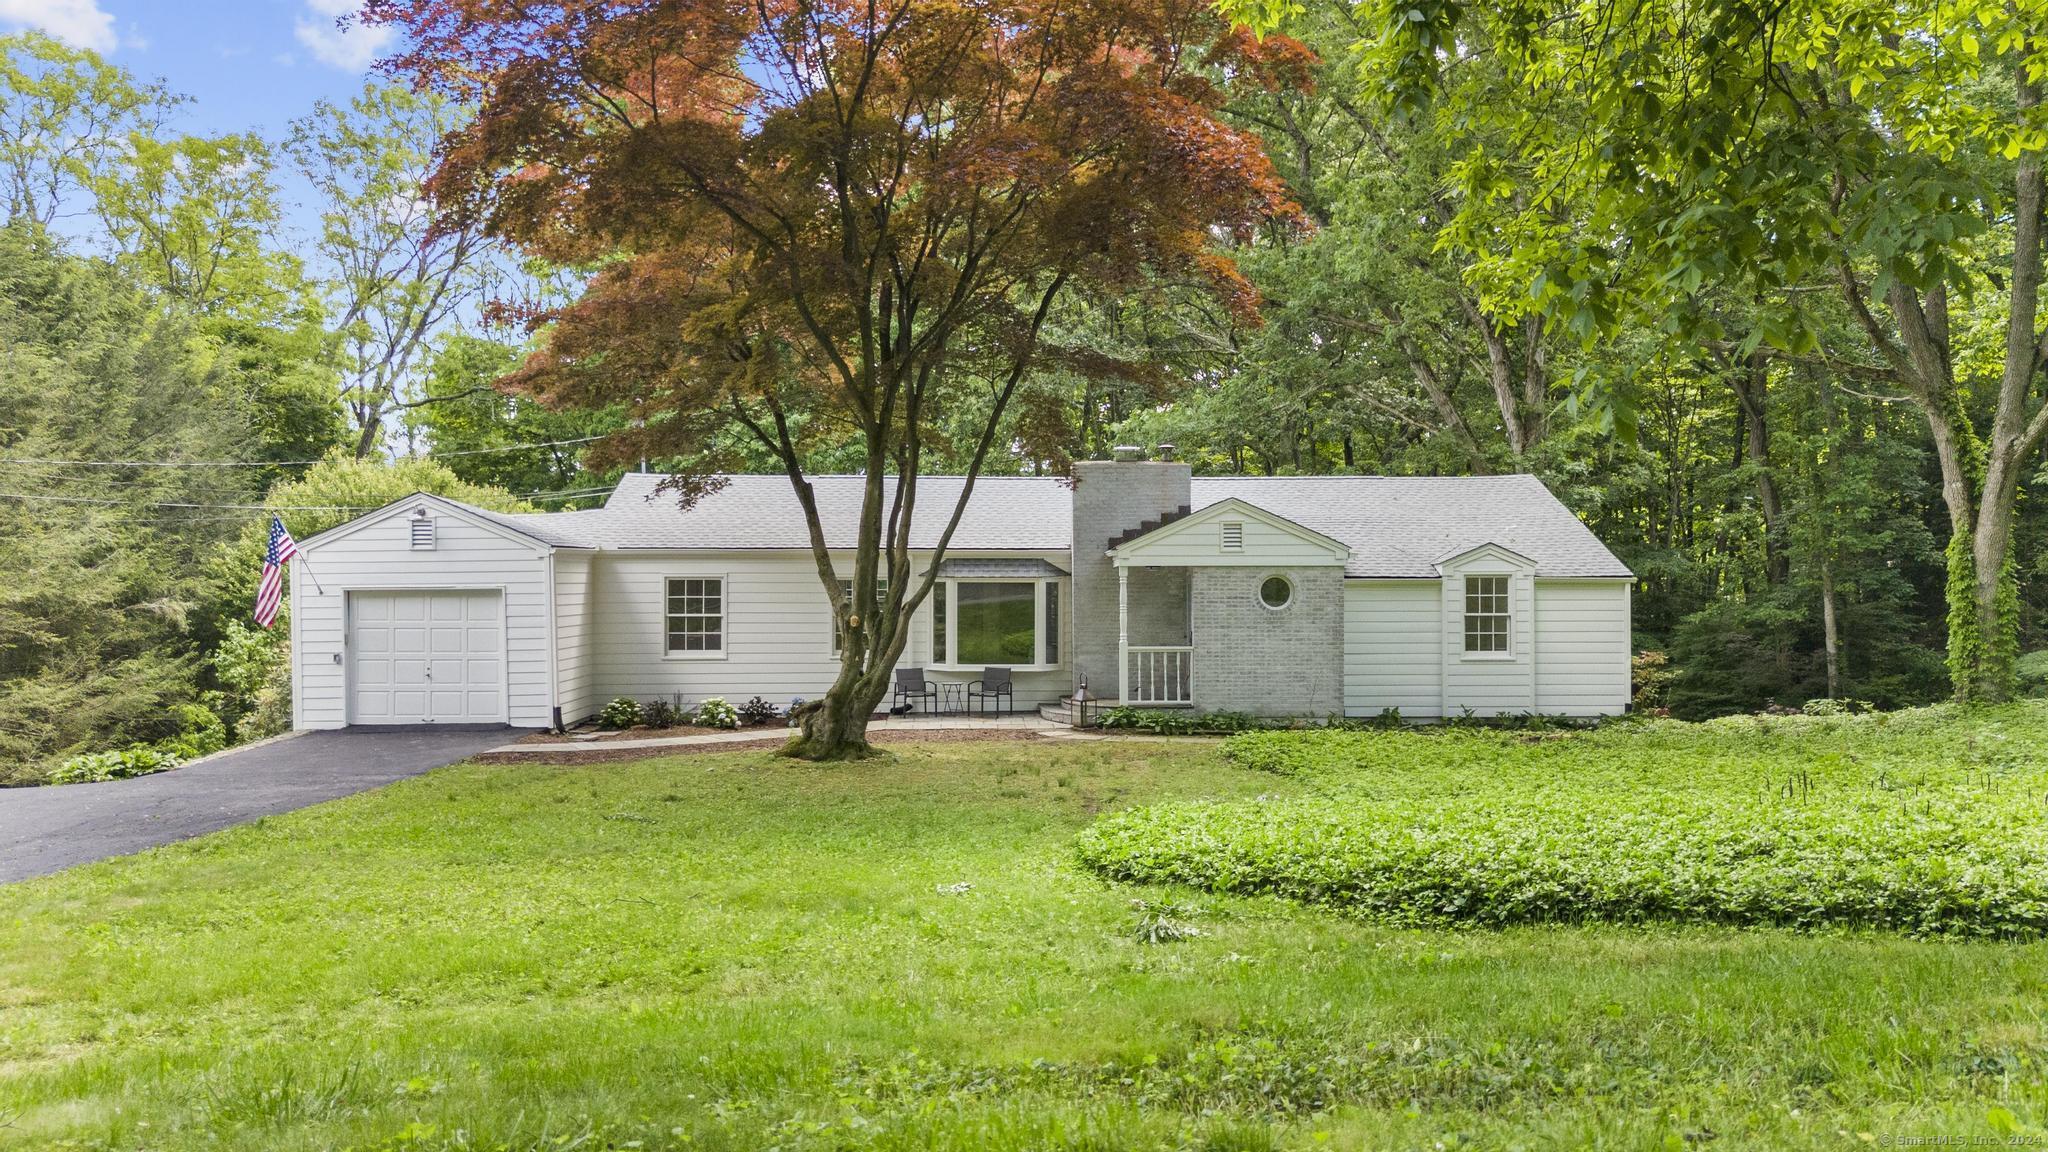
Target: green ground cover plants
[[1924, 821]]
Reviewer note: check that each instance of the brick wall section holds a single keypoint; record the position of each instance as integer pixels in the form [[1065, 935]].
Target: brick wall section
[[1251, 658], [1110, 497], [1159, 607]]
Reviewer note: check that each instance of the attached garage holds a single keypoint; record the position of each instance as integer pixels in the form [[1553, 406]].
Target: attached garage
[[426, 657], [430, 612]]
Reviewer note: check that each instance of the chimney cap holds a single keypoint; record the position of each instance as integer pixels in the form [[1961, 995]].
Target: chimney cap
[[1127, 453], [1164, 451]]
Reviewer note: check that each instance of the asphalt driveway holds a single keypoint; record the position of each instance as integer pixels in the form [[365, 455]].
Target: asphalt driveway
[[45, 829]]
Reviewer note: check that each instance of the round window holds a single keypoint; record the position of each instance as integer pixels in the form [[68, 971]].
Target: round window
[[1275, 592]]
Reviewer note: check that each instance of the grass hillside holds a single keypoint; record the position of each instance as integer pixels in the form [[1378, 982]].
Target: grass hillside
[[737, 952]]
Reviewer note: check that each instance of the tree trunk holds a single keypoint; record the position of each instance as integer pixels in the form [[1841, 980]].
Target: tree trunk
[[1500, 373], [1452, 421], [1751, 384], [1831, 636], [1535, 383], [835, 727]]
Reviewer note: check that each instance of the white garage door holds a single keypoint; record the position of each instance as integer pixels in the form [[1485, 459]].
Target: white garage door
[[426, 658]]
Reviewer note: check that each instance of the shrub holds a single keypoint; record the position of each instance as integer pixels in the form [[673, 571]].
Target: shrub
[[1650, 673], [2031, 670], [135, 760], [758, 711], [660, 714], [622, 712], [1929, 828], [1179, 722], [716, 713], [200, 733]]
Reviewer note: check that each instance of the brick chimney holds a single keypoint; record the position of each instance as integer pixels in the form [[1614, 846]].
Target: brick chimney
[[1112, 498]]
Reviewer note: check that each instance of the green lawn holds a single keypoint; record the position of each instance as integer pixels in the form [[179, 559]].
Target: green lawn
[[737, 952]]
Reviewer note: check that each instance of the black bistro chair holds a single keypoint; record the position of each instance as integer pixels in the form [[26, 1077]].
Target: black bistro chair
[[911, 686], [993, 685]]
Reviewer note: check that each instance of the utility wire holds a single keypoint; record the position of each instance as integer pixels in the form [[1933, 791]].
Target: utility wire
[[284, 463], [572, 495]]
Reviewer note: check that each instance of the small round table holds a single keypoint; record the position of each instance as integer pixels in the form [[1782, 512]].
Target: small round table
[[952, 696]]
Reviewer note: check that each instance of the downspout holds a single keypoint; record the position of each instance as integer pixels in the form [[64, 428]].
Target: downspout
[[554, 652]]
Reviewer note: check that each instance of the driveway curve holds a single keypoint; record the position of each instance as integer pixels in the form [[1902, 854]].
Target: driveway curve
[[46, 829]]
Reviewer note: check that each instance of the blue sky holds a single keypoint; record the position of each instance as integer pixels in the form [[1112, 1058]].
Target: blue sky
[[248, 65]]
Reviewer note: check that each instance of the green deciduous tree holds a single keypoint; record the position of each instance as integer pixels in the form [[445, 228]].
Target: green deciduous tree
[[1891, 156], [393, 276], [465, 419], [66, 115]]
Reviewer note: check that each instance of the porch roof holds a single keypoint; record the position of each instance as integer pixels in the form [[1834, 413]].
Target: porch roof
[[1018, 568]]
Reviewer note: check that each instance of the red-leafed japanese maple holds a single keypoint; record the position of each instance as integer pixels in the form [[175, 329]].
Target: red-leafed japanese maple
[[822, 219]]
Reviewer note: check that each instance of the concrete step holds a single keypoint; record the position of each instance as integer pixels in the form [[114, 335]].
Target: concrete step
[[1065, 712]]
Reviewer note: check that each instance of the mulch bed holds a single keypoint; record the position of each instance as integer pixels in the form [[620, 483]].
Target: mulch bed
[[542, 754], [641, 733]]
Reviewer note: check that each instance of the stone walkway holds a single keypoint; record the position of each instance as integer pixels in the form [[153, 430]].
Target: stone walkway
[[920, 724]]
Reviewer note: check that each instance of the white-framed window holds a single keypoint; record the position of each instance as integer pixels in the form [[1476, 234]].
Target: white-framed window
[[846, 605], [1012, 623], [1276, 592], [1488, 622], [696, 617]]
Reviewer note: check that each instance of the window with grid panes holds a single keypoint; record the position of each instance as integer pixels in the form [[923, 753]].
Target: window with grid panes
[[696, 616], [1486, 614]]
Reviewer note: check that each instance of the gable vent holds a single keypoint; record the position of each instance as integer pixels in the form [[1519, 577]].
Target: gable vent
[[1233, 536], [422, 530]]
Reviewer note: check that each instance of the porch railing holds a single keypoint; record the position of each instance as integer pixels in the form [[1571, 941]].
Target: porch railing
[[1160, 676]]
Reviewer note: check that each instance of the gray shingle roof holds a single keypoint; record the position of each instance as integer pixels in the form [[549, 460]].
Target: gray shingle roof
[[1400, 526], [1007, 512], [547, 527], [1397, 527]]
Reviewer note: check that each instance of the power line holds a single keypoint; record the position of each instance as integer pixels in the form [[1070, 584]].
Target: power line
[[285, 463], [578, 494]]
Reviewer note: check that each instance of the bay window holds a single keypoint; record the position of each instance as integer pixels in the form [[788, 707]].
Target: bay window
[[1006, 623]]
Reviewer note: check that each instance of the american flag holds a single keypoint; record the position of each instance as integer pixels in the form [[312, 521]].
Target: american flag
[[271, 591]]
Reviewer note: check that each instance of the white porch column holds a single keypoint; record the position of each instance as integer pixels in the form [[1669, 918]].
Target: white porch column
[[1123, 632]]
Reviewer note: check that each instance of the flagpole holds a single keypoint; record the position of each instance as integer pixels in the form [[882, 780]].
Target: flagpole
[[299, 555], [301, 558]]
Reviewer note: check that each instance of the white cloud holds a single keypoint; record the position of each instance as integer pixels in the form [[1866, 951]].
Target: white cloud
[[350, 49], [79, 23]]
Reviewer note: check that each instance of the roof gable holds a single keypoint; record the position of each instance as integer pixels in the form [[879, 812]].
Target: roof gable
[[475, 517], [1196, 538], [1481, 553]]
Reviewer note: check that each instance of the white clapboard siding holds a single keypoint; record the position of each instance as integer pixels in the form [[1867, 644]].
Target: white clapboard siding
[[1582, 647], [1489, 685], [379, 555], [778, 631], [574, 632], [1393, 648]]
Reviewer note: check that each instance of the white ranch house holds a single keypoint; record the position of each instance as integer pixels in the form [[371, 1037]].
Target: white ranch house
[[1295, 596]]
